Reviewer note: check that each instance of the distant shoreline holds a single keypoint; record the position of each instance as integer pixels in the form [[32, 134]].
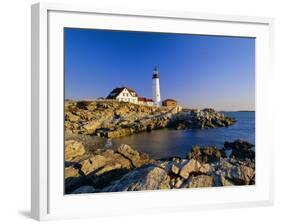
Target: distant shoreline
[[222, 111]]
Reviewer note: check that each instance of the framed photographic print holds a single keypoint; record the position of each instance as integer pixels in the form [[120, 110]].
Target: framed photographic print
[[148, 111]]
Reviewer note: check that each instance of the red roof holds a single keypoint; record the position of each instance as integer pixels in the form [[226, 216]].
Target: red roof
[[143, 99], [114, 93], [171, 100]]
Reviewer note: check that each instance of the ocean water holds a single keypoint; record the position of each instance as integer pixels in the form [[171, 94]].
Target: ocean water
[[167, 143]]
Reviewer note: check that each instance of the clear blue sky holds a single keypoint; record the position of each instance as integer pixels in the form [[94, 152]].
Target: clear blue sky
[[198, 71]]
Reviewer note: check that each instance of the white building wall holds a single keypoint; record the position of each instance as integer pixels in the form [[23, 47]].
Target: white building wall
[[126, 96], [149, 103], [146, 103]]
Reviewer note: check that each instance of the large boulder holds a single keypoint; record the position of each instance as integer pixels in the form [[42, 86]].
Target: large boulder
[[93, 163], [205, 154], [241, 149], [91, 126], [236, 173], [73, 149], [71, 172], [136, 158], [193, 166], [103, 167], [90, 143], [123, 158], [199, 181], [118, 132], [147, 177], [241, 175]]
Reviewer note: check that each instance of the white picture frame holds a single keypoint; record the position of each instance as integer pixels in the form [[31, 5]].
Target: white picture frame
[[48, 201]]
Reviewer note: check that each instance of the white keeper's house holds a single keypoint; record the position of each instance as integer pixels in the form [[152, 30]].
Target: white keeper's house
[[126, 94]]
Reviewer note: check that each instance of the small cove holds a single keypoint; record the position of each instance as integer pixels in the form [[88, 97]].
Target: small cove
[[168, 143]]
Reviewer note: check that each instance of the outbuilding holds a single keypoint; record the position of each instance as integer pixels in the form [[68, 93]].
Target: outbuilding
[[169, 103]]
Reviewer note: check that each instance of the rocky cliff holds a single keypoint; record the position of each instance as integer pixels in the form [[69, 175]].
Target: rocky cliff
[[125, 169], [113, 119]]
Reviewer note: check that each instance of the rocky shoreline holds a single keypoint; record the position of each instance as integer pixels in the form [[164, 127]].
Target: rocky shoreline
[[112, 119], [91, 166], [91, 169]]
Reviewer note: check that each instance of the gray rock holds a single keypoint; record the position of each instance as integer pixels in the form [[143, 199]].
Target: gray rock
[[93, 163], [71, 172], [147, 177], [199, 181], [90, 143], [178, 183], [175, 169], [113, 119], [191, 167], [137, 159], [73, 149], [103, 167], [237, 174], [225, 182], [241, 149], [125, 169], [207, 118], [205, 154]]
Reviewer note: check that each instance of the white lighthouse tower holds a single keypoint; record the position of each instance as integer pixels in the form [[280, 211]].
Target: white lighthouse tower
[[156, 87]]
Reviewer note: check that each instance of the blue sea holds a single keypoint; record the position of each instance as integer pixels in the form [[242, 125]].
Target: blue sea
[[167, 143]]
